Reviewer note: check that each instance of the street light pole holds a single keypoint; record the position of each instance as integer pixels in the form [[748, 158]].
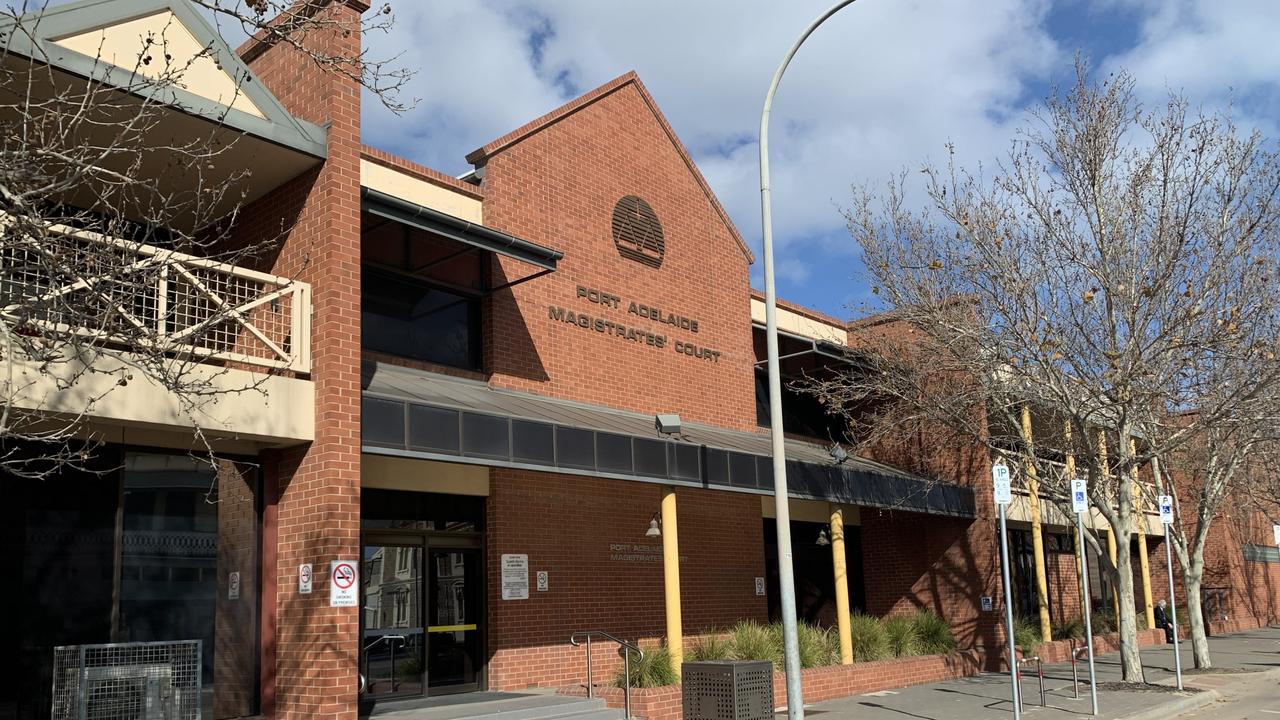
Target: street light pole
[[786, 580]]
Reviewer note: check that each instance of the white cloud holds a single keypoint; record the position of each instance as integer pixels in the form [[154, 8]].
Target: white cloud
[[1211, 51], [880, 86]]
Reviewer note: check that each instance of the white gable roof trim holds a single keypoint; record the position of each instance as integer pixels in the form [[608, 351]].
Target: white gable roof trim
[[227, 92]]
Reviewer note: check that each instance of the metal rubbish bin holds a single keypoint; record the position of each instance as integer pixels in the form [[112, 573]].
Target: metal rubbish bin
[[727, 690]]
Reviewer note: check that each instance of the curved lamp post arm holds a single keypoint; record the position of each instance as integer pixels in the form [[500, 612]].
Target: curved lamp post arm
[[786, 578]]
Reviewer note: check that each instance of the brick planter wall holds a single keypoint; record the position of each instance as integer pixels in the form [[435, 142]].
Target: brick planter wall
[[1060, 650], [819, 684]]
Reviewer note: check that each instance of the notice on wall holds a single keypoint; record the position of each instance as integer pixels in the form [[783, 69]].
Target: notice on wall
[[1276, 530], [987, 603], [233, 586], [759, 586], [515, 577], [344, 576], [305, 577], [544, 581]]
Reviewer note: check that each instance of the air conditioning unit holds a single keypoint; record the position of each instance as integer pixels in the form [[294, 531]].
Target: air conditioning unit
[[127, 681]]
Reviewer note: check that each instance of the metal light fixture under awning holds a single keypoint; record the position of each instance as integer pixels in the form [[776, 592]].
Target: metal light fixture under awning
[[478, 236]]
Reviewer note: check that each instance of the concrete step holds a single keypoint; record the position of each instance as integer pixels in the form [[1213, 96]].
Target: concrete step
[[499, 706]]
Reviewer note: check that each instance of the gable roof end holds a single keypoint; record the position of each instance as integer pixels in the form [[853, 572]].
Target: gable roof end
[[50, 35], [480, 156]]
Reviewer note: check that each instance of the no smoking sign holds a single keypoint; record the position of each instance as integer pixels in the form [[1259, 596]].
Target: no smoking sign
[[343, 578]]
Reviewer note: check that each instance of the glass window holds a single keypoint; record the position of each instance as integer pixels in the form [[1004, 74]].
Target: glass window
[[421, 294], [151, 548], [410, 318]]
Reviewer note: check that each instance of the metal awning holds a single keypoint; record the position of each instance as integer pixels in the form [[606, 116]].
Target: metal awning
[[414, 413], [478, 236]]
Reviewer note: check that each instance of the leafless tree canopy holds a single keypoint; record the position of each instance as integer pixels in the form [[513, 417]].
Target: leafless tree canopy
[[1116, 269], [117, 212]]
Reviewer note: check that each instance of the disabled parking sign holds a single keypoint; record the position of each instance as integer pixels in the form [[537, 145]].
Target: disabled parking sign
[[1166, 509], [1079, 496]]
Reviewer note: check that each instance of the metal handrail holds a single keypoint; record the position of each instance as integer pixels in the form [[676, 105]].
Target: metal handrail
[[627, 647], [363, 681]]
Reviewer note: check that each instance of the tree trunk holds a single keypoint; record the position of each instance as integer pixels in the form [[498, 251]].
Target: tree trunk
[[1130, 657], [1195, 613]]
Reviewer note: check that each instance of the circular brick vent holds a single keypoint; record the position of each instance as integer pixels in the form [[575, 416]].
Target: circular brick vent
[[637, 232]]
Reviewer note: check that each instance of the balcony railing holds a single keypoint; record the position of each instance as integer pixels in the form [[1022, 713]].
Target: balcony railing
[[106, 291]]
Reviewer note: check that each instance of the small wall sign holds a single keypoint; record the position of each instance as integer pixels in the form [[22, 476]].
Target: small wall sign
[[515, 577], [987, 603], [759, 586], [304, 579], [344, 576], [544, 581], [233, 586]]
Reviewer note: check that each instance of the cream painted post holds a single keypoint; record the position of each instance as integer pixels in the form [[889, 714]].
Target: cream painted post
[[842, 585], [1143, 562], [1111, 533], [671, 578], [1037, 537]]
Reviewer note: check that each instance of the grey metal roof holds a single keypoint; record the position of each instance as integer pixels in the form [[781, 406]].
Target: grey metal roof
[[33, 36], [811, 470]]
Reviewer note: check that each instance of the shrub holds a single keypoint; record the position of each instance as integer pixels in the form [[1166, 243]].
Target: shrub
[[710, 647], [653, 670], [1072, 629], [870, 642], [933, 634], [753, 641], [900, 633], [818, 646], [1104, 621], [1026, 635]]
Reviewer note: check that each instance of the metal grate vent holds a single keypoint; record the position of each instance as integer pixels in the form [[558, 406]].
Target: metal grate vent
[[127, 681], [637, 232]]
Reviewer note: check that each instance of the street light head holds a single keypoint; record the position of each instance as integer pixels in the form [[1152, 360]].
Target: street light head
[[822, 540], [655, 528]]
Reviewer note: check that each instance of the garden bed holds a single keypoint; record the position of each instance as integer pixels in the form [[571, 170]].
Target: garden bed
[[818, 684]]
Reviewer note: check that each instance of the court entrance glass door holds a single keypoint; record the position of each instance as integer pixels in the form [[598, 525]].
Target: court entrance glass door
[[423, 615]]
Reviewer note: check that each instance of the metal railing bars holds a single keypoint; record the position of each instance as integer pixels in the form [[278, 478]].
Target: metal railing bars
[[627, 649]]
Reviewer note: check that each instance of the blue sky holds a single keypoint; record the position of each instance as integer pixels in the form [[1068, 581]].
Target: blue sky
[[883, 86]]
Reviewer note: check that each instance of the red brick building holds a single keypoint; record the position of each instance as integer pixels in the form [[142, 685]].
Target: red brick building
[[471, 429]]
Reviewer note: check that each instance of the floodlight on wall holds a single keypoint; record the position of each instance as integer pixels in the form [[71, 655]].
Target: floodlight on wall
[[822, 540], [655, 527], [838, 453], [667, 424]]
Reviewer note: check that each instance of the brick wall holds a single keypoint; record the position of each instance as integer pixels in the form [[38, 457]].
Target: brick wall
[[913, 561], [235, 618], [309, 658], [567, 525], [558, 187], [1063, 587]]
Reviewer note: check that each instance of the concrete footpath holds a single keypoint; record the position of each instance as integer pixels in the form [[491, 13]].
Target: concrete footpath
[[988, 695]]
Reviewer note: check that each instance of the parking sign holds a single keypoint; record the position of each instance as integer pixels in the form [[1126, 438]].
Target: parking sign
[[1166, 509], [1079, 496], [1000, 479]]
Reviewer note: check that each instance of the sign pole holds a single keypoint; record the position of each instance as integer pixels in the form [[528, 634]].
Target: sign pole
[[1086, 603], [1166, 517], [1003, 496]]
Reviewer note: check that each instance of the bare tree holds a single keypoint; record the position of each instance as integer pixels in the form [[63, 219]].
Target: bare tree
[[1114, 269], [1223, 468], [119, 255]]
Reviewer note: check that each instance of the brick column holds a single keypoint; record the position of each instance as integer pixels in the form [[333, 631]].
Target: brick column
[[311, 650]]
